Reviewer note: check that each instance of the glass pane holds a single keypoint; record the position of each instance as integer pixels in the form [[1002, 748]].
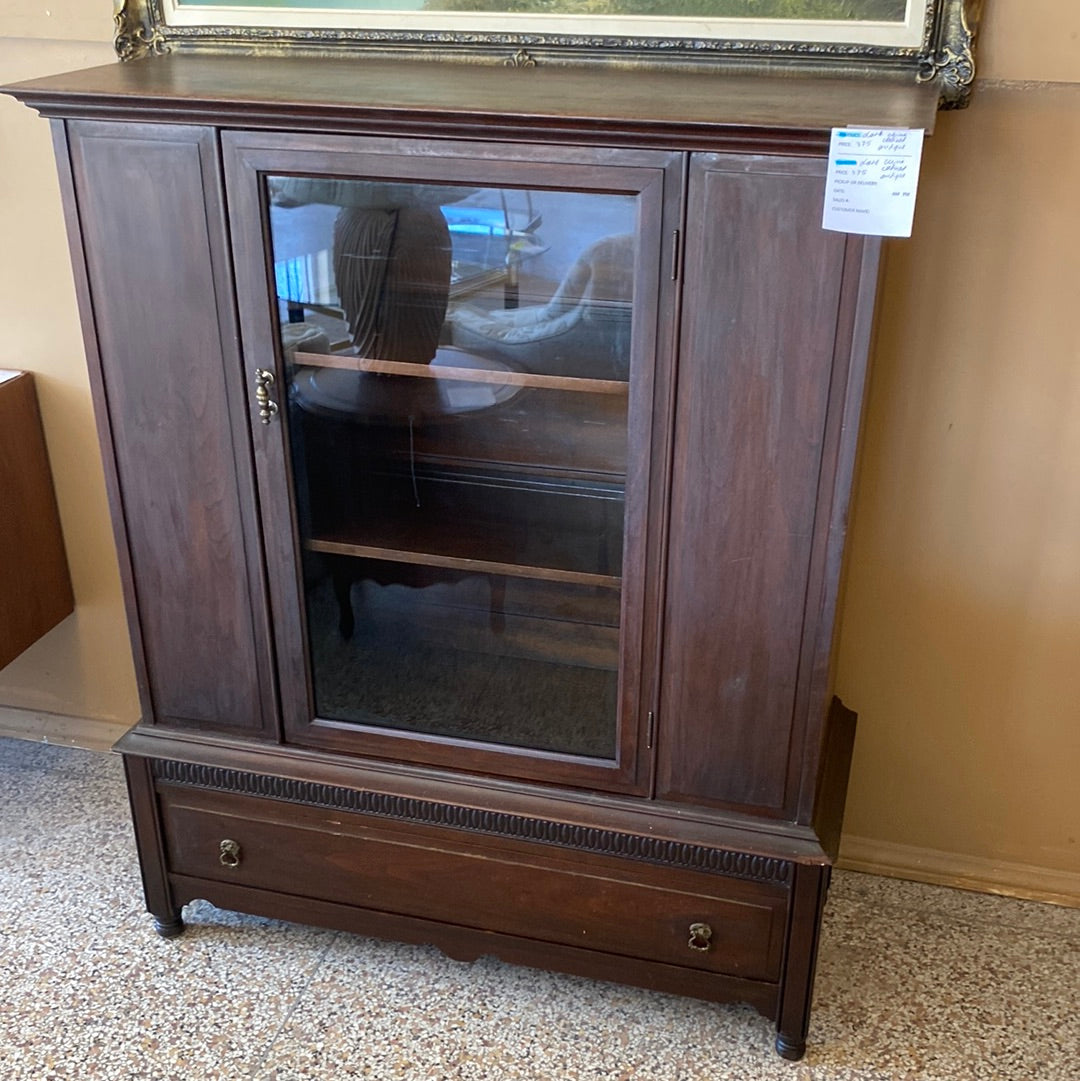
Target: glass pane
[[457, 362]]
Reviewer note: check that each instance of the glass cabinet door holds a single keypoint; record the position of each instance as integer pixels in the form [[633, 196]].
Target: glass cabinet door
[[454, 368]]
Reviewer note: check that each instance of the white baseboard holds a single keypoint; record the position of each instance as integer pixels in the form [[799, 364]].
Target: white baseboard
[[85, 732], [963, 872]]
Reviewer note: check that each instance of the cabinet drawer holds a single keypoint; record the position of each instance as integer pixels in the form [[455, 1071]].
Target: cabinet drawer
[[616, 906]]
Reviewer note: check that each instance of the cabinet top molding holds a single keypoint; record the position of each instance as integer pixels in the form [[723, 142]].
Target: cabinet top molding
[[397, 97], [922, 41]]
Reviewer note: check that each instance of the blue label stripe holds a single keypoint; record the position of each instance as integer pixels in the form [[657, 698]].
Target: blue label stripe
[[841, 161]]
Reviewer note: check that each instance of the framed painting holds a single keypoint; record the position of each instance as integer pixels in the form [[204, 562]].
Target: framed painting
[[924, 39]]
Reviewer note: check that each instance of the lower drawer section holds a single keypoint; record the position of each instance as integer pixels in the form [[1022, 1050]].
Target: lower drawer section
[[694, 919]]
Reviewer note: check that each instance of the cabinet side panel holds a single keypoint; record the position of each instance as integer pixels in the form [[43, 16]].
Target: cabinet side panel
[[145, 198], [759, 324]]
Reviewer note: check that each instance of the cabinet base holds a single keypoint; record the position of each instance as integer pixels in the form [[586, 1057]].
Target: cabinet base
[[713, 924]]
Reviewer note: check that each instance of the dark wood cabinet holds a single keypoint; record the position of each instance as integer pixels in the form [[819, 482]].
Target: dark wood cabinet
[[480, 475]]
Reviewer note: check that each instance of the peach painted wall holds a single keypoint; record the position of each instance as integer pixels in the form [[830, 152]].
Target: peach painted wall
[[960, 640], [83, 668]]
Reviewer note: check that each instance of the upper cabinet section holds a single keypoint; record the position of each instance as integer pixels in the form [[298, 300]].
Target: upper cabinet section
[[523, 454], [924, 41]]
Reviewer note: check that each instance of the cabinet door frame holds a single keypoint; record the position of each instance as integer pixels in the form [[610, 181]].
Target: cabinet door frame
[[655, 178]]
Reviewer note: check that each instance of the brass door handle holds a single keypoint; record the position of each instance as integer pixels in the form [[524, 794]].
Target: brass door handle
[[700, 937], [268, 408], [229, 854]]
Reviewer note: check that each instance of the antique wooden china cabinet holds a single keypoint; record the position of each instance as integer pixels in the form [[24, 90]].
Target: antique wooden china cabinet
[[479, 440]]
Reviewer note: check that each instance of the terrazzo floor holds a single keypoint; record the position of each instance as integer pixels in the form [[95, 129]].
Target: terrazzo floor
[[915, 983]]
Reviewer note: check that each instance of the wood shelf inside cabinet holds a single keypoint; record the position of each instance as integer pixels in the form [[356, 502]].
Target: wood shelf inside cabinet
[[473, 566], [576, 384]]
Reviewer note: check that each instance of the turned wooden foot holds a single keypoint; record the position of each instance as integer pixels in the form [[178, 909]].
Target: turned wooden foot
[[169, 926], [791, 1049]]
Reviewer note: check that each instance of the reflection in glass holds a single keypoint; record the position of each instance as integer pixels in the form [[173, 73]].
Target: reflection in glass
[[458, 363]]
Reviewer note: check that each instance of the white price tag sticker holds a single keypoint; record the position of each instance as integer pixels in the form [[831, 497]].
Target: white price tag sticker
[[872, 180]]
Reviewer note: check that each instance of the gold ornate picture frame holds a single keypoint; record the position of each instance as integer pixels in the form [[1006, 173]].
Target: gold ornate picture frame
[[923, 40]]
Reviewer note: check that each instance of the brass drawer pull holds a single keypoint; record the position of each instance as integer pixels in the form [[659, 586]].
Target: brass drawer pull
[[700, 937], [229, 854]]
